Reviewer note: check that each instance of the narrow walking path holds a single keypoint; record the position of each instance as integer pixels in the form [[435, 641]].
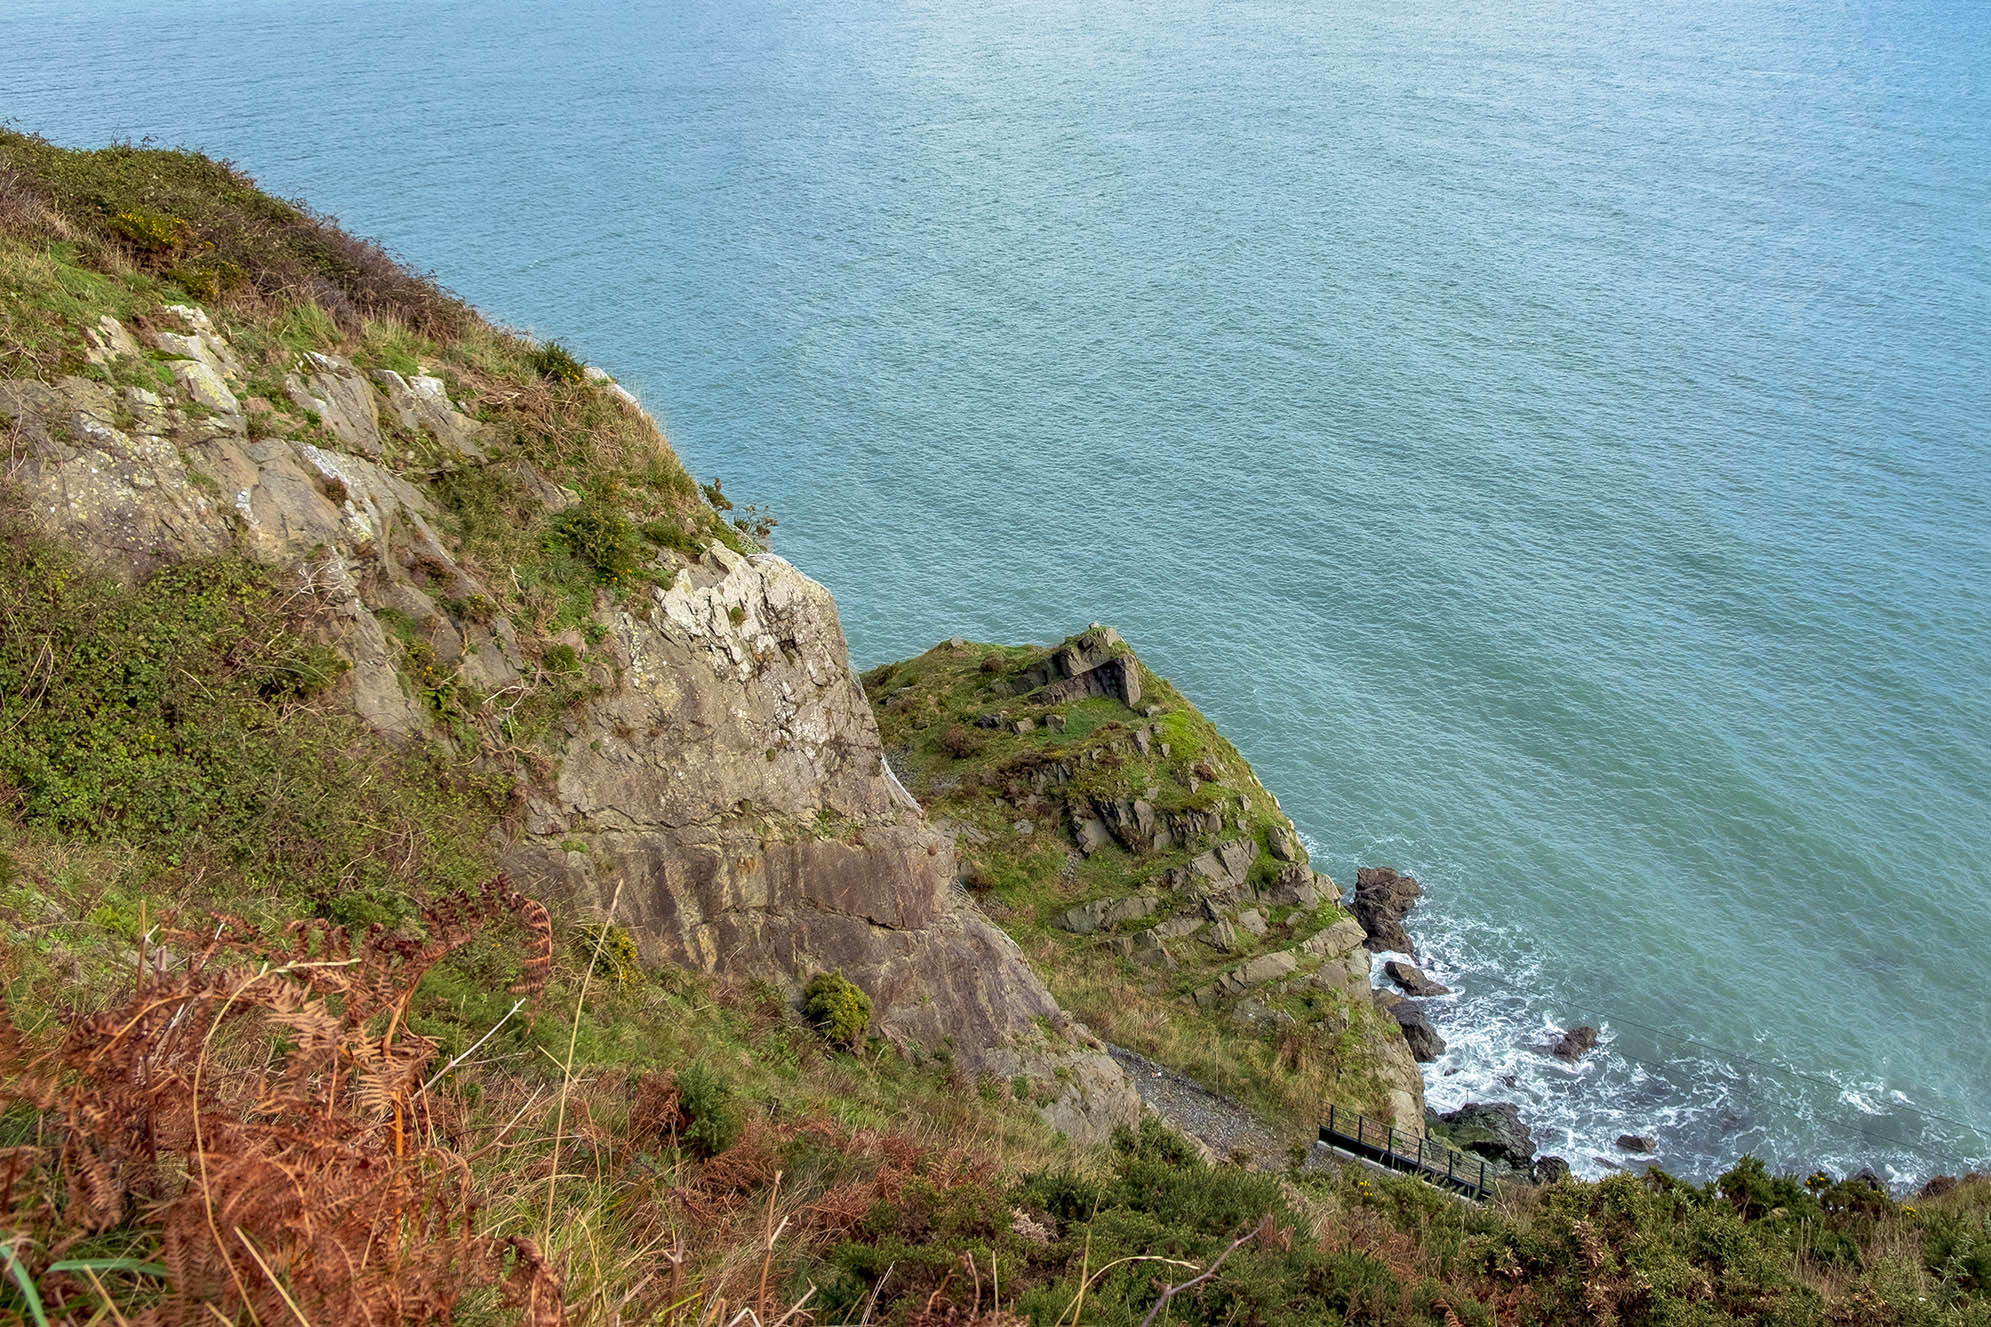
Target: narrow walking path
[[1223, 1124]]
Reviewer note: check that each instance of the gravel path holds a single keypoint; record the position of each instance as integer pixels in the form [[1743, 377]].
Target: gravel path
[[1222, 1124]]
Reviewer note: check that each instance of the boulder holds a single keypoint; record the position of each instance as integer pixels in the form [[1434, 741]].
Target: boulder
[[108, 341], [1252, 920], [1223, 937], [1493, 1130], [334, 391], [1643, 1143], [1548, 1170], [1425, 1043], [1574, 1044], [1285, 844], [422, 403], [1225, 864], [1143, 947], [1105, 912], [1237, 980], [1412, 980], [1382, 899], [1341, 938], [1177, 927], [1296, 886]]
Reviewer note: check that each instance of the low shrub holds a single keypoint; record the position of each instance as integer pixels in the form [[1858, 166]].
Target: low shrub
[[599, 535], [837, 1008], [708, 1111], [556, 362]]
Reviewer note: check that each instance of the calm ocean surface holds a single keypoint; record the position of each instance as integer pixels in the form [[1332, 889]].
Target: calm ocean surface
[[1552, 439]]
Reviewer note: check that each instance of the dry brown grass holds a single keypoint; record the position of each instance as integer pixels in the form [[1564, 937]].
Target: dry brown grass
[[256, 1111]]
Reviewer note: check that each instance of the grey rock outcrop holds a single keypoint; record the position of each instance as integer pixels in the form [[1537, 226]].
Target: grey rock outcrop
[[729, 729], [1425, 1043], [698, 783], [1093, 664]]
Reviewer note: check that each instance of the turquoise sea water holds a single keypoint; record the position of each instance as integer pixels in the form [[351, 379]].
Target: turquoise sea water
[[1549, 438]]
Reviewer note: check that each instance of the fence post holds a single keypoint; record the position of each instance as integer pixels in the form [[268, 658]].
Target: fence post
[[1420, 1154], [1358, 1129], [1449, 1154], [1482, 1177], [1389, 1143], [1330, 1117]]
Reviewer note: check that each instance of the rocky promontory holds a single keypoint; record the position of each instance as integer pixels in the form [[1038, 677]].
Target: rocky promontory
[[1106, 824]]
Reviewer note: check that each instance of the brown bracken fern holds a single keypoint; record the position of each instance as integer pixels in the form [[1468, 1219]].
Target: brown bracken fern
[[257, 1110]]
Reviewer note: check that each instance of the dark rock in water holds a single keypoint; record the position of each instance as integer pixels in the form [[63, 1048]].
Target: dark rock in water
[[1575, 1043], [1382, 899], [1868, 1177], [1425, 1043], [1411, 979], [1493, 1130], [1548, 1170], [1638, 1142]]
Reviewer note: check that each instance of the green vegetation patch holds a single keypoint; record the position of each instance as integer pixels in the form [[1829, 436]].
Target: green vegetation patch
[[206, 227], [186, 714]]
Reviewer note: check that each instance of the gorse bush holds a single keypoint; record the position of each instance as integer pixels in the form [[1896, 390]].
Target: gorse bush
[[184, 712], [601, 536], [150, 231], [838, 1009], [709, 1109], [556, 362], [612, 950]]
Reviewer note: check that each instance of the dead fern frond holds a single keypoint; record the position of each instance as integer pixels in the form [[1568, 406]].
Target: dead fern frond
[[290, 1182]]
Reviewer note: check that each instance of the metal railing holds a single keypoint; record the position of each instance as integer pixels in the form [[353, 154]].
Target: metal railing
[[1427, 1158]]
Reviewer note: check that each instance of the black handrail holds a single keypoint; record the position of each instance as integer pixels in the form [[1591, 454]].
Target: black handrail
[[1422, 1161]]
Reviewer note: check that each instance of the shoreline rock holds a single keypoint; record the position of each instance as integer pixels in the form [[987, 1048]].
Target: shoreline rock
[[1382, 899], [1412, 979]]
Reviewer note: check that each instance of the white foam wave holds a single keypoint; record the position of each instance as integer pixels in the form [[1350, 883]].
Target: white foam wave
[[1704, 1108]]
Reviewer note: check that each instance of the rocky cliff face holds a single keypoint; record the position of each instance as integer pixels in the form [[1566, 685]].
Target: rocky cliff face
[[724, 785]]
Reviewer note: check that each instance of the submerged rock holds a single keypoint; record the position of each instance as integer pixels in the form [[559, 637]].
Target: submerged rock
[[1574, 1044], [1642, 1143]]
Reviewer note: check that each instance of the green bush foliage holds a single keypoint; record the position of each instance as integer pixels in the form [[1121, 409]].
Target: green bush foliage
[[182, 713], [169, 202], [600, 535], [838, 1009], [711, 1110], [556, 362]]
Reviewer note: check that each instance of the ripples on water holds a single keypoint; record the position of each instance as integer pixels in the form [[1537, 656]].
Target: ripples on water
[[1550, 439]]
